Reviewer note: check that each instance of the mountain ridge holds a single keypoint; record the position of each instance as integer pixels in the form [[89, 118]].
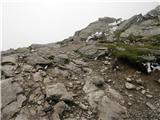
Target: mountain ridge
[[109, 70]]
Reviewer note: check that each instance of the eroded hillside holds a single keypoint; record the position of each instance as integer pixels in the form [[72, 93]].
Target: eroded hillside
[[109, 70]]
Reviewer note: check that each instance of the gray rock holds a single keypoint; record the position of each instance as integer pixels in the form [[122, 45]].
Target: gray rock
[[59, 107], [55, 116], [8, 70], [9, 110], [112, 92], [21, 117], [9, 91], [133, 20], [98, 26], [94, 98], [89, 51], [73, 67], [27, 68], [20, 99], [129, 86], [61, 59], [57, 71], [11, 59], [98, 80], [128, 79], [35, 59], [89, 86], [84, 107], [58, 89], [37, 76], [110, 110], [153, 13], [139, 81], [158, 80], [146, 25], [152, 107]]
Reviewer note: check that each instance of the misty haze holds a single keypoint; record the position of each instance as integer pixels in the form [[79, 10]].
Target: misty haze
[[25, 23], [102, 61]]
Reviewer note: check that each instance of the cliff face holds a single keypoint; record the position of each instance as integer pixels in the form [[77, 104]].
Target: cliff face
[[109, 70]]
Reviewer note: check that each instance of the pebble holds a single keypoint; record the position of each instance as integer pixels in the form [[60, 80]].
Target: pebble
[[109, 80], [158, 80], [39, 102], [143, 91], [139, 81], [149, 96], [129, 86], [129, 103], [84, 107], [139, 88], [128, 79], [70, 84]]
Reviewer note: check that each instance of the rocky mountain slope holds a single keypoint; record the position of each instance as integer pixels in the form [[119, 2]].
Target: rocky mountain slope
[[109, 70]]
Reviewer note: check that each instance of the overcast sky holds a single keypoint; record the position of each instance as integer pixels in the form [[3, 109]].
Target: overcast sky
[[42, 21]]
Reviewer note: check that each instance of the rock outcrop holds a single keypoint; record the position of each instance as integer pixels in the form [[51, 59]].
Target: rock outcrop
[[109, 70]]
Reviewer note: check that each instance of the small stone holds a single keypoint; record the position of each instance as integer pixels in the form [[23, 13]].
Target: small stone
[[90, 112], [27, 68], [21, 117], [128, 79], [59, 107], [130, 95], [152, 107], [55, 116], [107, 63], [143, 91], [139, 81], [32, 111], [139, 87], [61, 59], [84, 107], [149, 96], [158, 80], [70, 84], [9, 111], [43, 73], [98, 81], [37, 76], [109, 80], [39, 102], [129, 86], [21, 99], [129, 103], [78, 82]]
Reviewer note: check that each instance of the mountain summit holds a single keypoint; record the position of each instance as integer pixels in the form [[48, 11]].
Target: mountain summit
[[109, 70]]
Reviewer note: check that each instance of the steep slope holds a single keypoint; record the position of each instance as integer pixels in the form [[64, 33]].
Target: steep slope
[[106, 71]]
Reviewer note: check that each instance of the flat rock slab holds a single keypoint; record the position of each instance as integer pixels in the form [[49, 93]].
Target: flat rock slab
[[12, 59], [58, 89], [9, 91], [35, 59], [8, 70], [110, 110], [9, 110]]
